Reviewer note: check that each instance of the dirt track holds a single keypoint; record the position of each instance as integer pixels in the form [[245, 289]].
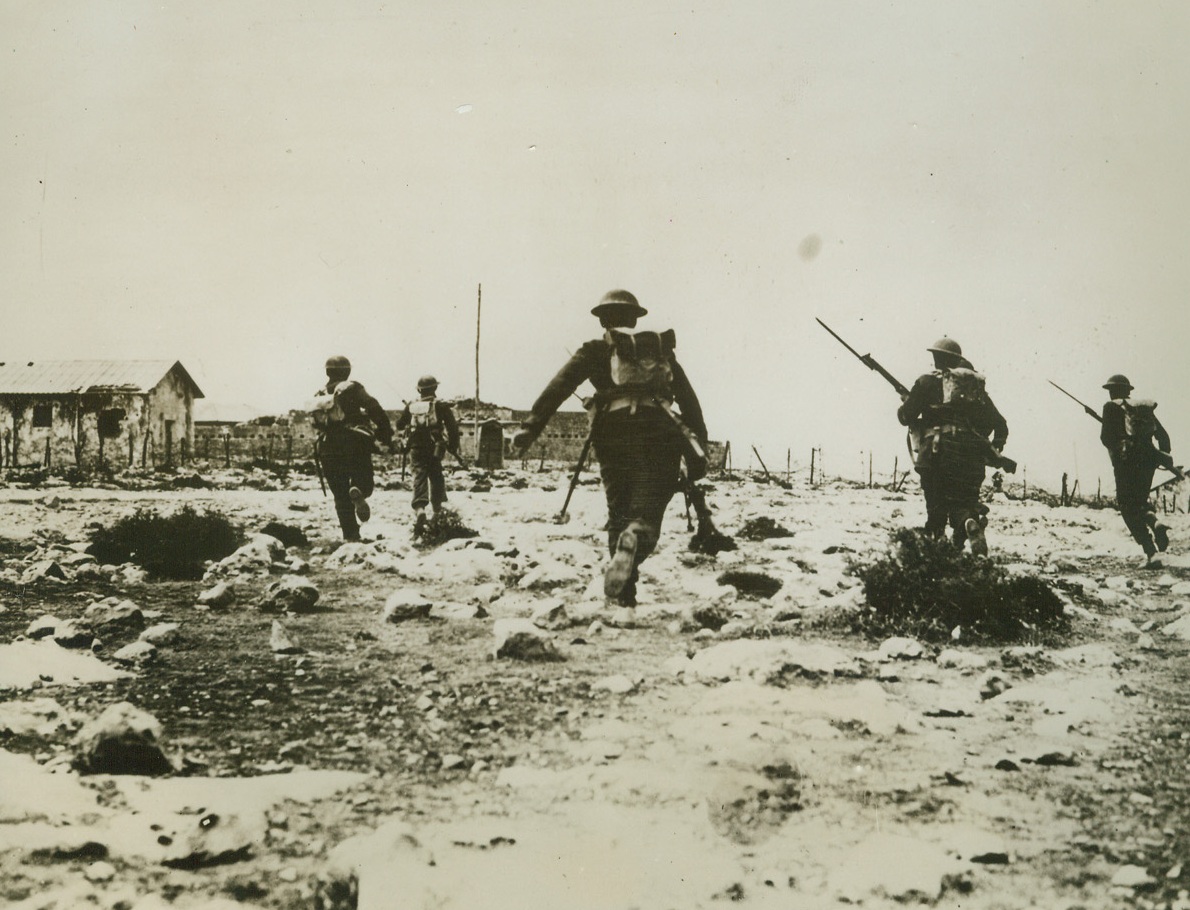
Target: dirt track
[[786, 764]]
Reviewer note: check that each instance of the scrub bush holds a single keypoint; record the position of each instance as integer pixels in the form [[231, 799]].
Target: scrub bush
[[172, 546], [926, 588]]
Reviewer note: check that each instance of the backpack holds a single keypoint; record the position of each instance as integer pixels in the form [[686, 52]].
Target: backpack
[[425, 429], [325, 410], [642, 362], [1140, 423], [963, 390]]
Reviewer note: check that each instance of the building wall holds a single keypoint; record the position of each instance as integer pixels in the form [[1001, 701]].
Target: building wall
[[73, 438]]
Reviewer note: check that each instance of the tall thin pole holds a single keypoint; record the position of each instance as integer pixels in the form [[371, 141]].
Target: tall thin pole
[[478, 306]]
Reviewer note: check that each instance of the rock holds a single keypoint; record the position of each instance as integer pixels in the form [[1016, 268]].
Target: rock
[[992, 685], [138, 652], [550, 614], [42, 570], [404, 604], [452, 761], [1179, 628], [1131, 877], [519, 639], [1181, 589], [99, 872], [289, 594], [162, 633], [221, 595], [42, 627], [70, 634], [280, 641], [901, 649], [117, 620], [458, 611], [617, 685], [121, 740]]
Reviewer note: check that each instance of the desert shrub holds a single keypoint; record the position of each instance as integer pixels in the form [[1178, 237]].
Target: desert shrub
[[763, 528], [750, 583], [443, 526], [166, 546], [926, 588], [289, 535]]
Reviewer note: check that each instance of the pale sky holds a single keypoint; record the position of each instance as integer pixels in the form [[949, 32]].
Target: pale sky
[[250, 186]]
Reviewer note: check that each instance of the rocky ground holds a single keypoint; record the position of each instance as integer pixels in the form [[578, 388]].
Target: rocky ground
[[379, 725]]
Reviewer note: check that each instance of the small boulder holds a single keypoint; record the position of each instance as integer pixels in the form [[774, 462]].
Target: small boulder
[[138, 652], [404, 604], [122, 740], [519, 639], [289, 594], [281, 642], [221, 595]]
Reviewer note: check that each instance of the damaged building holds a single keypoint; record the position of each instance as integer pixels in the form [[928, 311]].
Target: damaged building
[[114, 414]]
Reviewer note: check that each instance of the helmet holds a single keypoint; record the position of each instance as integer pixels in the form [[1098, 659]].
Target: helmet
[[338, 363], [1119, 380], [618, 300], [427, 383], [946, 346]]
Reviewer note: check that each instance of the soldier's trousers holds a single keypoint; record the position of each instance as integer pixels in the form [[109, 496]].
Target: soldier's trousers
[[344, 466], [1133, 480], [951, 478], [639, 460], [429, 483]]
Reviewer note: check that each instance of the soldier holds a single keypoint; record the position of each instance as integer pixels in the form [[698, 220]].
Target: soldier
[[953, 416], [638, 440], [349, 421], [1128, 433], [430, 432]]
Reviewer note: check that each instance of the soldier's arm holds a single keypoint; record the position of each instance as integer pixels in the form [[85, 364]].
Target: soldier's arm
[[688, 404], [998, 425], [1112, 428], [1160, 434], [447, 415], [913, 406], [384, 428], [576, 371]]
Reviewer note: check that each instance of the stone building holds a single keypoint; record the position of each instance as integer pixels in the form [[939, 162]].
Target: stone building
[[91, 413]]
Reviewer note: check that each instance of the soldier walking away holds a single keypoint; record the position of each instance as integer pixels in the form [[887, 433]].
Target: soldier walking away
[[1129, 431], [430, 431], [349, 421], [639, 440], [952, 416]]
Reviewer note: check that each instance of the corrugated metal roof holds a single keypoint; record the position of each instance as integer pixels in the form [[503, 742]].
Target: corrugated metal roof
[[57, 377]]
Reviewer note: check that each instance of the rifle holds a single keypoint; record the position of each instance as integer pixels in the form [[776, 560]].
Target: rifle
[[707, 539], [991, 457], [1090, 411], [1164, 459], [318, 465], [562, 517], [868, 361]]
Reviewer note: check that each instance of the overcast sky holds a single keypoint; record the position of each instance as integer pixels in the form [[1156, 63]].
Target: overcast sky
[[251, 186]]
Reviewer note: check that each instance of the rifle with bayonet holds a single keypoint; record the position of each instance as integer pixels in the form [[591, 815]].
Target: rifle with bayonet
[[1164, 459], [990, 456]]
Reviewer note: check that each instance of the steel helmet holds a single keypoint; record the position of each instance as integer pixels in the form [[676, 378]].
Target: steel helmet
[[1118, 381], [427, 383], [338, 363], [619, 300], [946, 345]]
